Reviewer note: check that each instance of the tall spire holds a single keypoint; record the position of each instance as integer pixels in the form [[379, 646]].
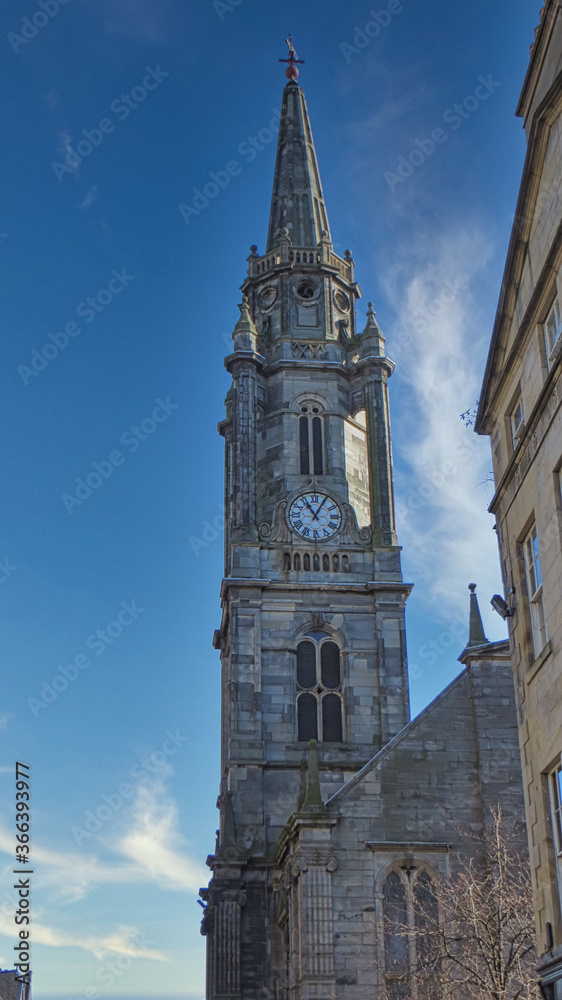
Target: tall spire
[[297, 202]]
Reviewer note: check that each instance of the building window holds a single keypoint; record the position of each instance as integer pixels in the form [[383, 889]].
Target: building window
[[411, 920], [534, 589], [311, 441], [517, 422], [555, 795], [552, 327], [319, 689]]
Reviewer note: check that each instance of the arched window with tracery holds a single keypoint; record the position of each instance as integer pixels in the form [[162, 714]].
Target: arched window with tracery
[[319, 689], [411, 922], [311, 440]]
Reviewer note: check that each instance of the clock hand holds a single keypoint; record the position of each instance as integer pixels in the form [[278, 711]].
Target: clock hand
[[310, 508], [320, 507]]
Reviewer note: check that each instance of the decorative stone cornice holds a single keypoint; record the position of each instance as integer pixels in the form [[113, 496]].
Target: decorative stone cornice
[[412, 847], [539, 48], [375, 364], [380, 587], [498, 365], [242, 581], [244, 362]]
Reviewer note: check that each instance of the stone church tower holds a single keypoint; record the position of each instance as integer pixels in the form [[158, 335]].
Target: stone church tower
[[312, 638]]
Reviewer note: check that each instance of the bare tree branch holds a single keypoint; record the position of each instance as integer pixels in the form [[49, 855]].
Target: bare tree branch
[[477, 943]]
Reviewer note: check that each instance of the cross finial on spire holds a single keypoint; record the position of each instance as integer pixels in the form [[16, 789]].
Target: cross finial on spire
[[292, 72]]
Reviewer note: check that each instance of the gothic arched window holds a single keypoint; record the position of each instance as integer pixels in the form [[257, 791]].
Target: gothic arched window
[[311, 441], [319, 686], [411, 922]]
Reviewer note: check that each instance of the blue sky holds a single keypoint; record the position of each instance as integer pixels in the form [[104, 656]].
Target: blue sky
[[120, 590]]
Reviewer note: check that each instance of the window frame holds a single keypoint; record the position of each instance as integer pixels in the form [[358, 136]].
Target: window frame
[[319, 689], [311, 439], [555, 797], [517, 425], [552, 347], [533, 577], [554, 779], [410, 930]]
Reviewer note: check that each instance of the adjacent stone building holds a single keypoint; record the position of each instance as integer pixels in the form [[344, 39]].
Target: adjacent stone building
[[520, 408], [314, 843], [10, 989]]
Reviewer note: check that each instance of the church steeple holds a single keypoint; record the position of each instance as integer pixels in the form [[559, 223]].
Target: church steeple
[[297, 201], [312, 637]]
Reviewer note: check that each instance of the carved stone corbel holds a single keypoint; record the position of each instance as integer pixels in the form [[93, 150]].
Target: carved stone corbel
[[277, 531], [351, 532]]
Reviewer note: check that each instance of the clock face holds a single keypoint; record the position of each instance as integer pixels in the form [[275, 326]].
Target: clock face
[[315, 516]]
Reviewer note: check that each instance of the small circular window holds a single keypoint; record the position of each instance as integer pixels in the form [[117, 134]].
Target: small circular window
[[341, 301], [306, 290]]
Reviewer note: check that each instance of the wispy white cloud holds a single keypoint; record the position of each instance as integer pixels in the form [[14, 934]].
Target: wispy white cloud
[[65, 148], [124, 940], [5, 720], [90, 198], [72, 875], [437, 342], [154, 842], [150, 850]]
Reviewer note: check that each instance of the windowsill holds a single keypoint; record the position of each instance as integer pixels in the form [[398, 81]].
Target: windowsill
[[538, 662], [329, 745]]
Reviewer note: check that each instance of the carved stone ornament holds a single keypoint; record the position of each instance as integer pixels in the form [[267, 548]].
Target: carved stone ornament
[[264, 334], [278, 530], [341, 300], [343, 328], [243, 369], [351, 532], [298, 863], [308, 351], [267, 296], [216, 896]]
